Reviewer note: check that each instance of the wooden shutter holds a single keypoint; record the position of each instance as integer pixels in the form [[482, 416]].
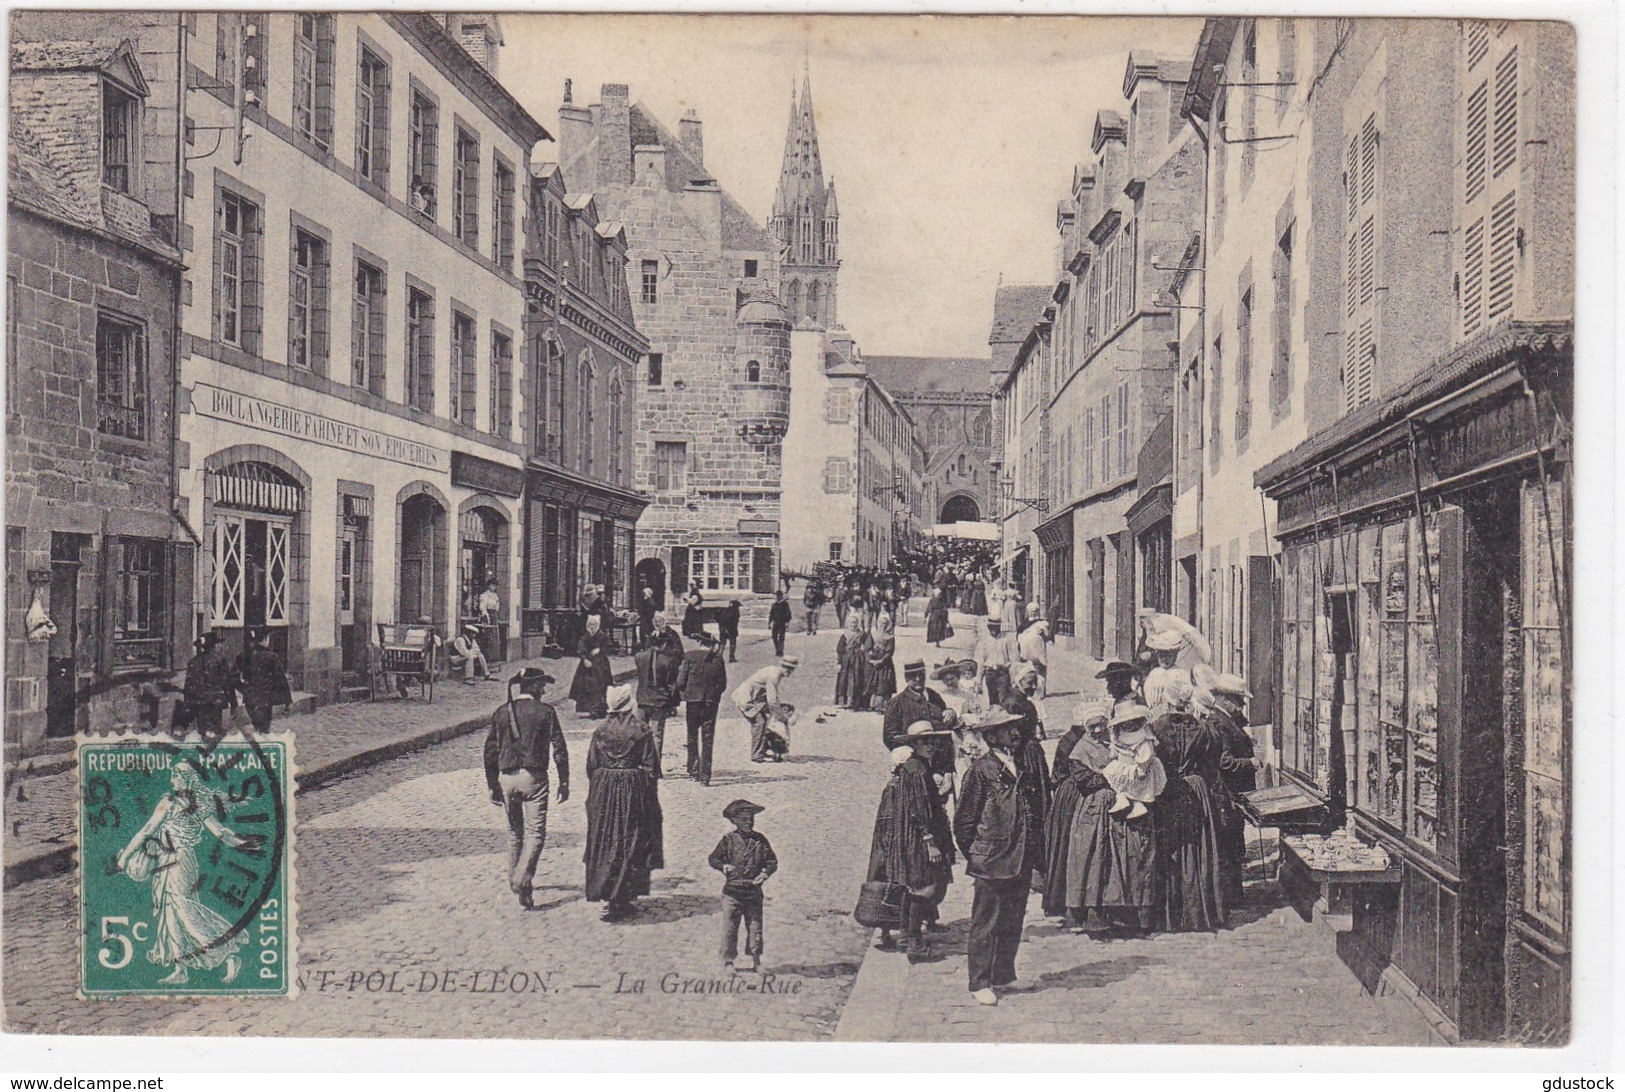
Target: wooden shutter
[[253, 277], [1477, 143], [1505, 143], [763, 578], [679, 570], [380, 128], [470, 151], [425, 390], [1261, 635], [182, 569], [376, 334], [1501, 270]]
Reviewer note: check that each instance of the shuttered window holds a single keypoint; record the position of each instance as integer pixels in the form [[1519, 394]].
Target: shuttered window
[[1487, 264], [420, 350], [501, 384], [1089, 448], [372, 118], [313, 42], [465, 372], [1244, 364], [1364, 210], [1126, 451], [465, 188], [837, 475]]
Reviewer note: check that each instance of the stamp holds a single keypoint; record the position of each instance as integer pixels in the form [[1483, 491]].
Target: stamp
[[185, 868]]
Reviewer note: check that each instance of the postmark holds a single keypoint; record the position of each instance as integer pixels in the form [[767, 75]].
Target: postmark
[[185, 867]]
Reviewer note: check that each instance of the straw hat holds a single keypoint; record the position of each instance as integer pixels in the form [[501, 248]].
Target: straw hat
[[619, 698]]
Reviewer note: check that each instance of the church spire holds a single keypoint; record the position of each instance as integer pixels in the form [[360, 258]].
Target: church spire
[[805, 219]]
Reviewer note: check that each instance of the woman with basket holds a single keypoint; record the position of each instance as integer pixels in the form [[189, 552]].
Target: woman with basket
[[911, 856]]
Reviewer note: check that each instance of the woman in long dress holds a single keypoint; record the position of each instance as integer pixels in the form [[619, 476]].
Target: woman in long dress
[[186, 934], [1029, 752], [851, 652], [624, 822], [1079, 756], [592, 676], [1113, 865], [880, 670], [913, 842], [1187, 817], [936, 620]]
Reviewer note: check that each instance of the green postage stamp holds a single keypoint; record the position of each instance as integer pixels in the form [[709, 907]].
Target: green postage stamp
[[185, 868]]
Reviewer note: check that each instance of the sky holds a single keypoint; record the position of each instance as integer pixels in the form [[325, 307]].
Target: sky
[[950, 138]]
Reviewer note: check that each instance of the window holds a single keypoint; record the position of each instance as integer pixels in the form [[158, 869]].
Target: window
[[651, 280], [1360, 272], [617, 426], [227, 41], [753, 371], [837, 406], [1249, 111], [121, 378], [720, 568], [237, 272], [1489, 259], [372, 118], [837, 475], [585, 376], [502, 191], [552, 228], [120, 126], [655, 369], [501, 384], [138, 607], [420, 350], [465, 373], [553, 388], [1089, 447], [367, 329], [1281, 320], [549, 379], [1108, 466], [1545, 724], [671, 466], [1127, 453], [750, 267], [1244, 366], [1286, 61], [425, 129], [835, 550], [465, 188], [313, 77], [307, 302]]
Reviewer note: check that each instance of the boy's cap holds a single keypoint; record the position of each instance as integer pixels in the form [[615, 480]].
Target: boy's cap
[[741, 807]]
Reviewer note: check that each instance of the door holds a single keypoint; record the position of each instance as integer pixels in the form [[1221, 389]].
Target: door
[[352, 636], [252, 565], [62, 658]]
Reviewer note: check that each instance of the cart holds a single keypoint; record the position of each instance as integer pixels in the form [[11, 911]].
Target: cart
[[406, 655]]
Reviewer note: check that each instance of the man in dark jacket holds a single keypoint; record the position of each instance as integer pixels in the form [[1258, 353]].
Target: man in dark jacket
[[702, 679], [523, 732], [778, 622], [208, 689], [813, 600], [995, 829], [914, 702], [658, 664], [728, 629], [262, 678]]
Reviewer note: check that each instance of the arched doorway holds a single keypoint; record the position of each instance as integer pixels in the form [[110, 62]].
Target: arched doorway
[[483, 563], [421, 589], [961, 507], [650, 573]]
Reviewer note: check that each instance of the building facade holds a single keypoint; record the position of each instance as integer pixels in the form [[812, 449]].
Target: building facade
[[98, 564], [1024, 503], [714, 398], [1425, 523], [585, 356], [951, 405]]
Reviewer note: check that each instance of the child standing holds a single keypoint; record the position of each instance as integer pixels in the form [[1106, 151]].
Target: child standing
[[745, 860], [1134, 772]]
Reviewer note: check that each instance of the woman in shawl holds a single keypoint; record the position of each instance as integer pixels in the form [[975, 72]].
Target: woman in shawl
[[1113, 862], [624, 824], [851, 653], [880, 667], [913, 842], [592, 676], [1029, 752], [936, 620], [186, 934], [1010, 612], [1187, 819], [1079, 756], [973, 597]]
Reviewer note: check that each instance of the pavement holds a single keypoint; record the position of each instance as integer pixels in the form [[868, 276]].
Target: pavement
[[406, 927]]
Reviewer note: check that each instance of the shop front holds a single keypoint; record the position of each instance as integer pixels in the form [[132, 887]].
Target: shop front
[[1424, 681], [486, 547], [1055, 538]]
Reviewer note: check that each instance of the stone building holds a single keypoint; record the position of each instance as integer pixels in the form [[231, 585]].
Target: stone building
[[952, 407], [93, 540], [714, 397], [585, 356], [806, 221]]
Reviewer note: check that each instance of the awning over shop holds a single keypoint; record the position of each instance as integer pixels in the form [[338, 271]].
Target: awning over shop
[[983, 532], [1013, 554]]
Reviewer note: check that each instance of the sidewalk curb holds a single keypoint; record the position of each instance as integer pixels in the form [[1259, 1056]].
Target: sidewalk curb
[[61, 859], [872, 1008]]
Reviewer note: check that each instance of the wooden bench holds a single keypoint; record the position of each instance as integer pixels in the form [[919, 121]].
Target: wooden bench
[[406, 654]]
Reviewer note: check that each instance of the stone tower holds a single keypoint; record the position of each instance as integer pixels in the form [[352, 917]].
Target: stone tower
[[806, 221]]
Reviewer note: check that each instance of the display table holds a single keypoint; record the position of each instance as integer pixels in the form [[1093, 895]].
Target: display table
[[1329, 870]]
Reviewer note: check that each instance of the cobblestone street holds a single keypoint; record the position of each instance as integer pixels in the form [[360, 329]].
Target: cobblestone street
[[406, 927]]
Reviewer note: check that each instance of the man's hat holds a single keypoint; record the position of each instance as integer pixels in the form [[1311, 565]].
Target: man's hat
[[1166, 641], [472, 628], [618, 698], [1231, 684], [949, 669], [741, 807], [997, 717], [914, 667], [531, 676], [1116, 667], [922, 728], [790, 663]]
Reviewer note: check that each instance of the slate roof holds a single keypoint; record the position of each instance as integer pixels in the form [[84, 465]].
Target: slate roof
[[905, 375], [740, 231], [1015, 308]]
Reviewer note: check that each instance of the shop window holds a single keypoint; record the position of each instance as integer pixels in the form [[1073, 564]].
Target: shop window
[[121, 378], [1545, 728], [139, 613]]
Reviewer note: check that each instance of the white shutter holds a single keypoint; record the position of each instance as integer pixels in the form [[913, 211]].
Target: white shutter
[[1365, 372], [1505, 152], [228, 571], [1351, 365], [276, 574], [1503, 257], [1472, 278], [1478, 42], [1368, 260], [1477, 140]]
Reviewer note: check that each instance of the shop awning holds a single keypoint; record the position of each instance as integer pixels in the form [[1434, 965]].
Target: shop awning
[[984, 532], [1013, 554]]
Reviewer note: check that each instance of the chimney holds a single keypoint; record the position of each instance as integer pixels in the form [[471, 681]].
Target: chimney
[[703, 198], [614, 136], [480, 37], [575, 133], [693, 138], [649, 165]]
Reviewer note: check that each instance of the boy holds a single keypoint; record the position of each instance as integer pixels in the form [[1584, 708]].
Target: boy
[[745, 860]]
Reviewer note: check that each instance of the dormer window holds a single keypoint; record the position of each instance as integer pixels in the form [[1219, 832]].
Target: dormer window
[[120, 124]]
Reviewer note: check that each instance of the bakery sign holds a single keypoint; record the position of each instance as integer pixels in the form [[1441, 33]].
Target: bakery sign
[[474, 472], [224, 405]]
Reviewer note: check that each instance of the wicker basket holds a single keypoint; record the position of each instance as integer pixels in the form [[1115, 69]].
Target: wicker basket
[[880, 905]]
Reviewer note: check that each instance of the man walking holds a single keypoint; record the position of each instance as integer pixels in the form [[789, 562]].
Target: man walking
[[778, 622], [758, 699], [813, 600], [262, 678], [658, 663], [208, 690], [993, 655], [728, 629], [523, 732], [702, 679], [996, 831]]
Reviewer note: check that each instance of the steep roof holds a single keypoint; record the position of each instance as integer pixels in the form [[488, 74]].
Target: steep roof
[[1015, 308], [740, 231], [905, 375]]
